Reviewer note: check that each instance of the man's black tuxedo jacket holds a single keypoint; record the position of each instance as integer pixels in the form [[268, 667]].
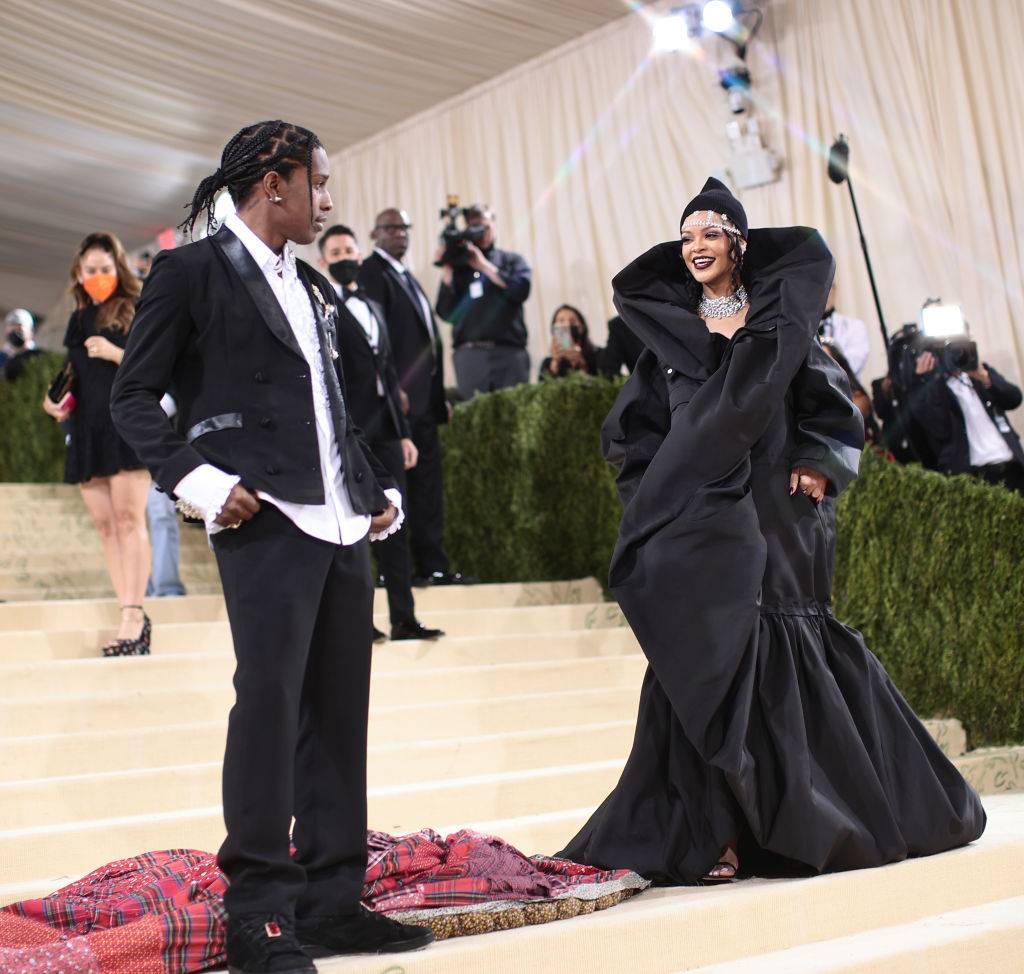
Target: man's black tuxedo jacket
[[419, 365], [209, 324], [379, 418], [937, 409]]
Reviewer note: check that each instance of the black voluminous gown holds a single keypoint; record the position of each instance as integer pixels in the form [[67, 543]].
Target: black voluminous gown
[[763, 721]]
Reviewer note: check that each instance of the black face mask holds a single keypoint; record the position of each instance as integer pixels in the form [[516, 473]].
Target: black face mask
[[16, 339], [344, 272]]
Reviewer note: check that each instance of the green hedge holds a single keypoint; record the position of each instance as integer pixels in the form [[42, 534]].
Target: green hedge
[[31, 443], [930, 568], [528, 496]]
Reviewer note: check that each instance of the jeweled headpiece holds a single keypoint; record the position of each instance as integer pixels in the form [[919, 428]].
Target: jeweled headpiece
[[709, 218]]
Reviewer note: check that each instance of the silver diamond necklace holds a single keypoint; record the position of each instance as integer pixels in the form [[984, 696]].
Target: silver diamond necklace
[[724, 307]]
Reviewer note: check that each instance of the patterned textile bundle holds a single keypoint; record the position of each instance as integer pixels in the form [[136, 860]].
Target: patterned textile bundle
[[163, 912]]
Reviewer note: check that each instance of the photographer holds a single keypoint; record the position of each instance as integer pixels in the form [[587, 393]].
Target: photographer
[[19, 343], [571, 347], [482, 293], [963, 413], [902, 435]]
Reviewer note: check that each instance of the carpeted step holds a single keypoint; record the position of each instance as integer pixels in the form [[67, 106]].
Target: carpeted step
[[988, 939], [98, 613]]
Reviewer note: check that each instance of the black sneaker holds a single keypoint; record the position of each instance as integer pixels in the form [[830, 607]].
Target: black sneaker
[[363, 932], [413, 630], [265, 943]]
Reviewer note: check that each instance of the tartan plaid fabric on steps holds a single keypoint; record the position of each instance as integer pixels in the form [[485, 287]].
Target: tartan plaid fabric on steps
[[163, 912]]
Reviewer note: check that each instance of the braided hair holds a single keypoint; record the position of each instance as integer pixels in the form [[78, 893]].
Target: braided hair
[[695, 290], [273, 146]]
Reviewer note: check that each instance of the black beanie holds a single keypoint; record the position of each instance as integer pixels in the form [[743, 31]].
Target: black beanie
[[715, 196]]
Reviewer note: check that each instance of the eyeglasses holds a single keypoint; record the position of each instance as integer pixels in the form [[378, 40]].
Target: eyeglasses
[[394, 227]]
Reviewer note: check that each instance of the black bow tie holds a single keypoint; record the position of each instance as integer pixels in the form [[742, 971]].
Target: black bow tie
[[346, 294]]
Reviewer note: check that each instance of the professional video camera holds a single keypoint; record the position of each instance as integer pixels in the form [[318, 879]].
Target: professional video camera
[[940, 329], [453, 238]]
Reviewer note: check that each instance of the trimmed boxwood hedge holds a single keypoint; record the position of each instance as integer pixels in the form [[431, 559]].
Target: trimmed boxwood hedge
[[928, 567], [31, 443]]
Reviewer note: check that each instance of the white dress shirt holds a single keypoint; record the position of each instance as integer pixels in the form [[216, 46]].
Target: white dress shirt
[[360, 310], [851, 335], [425, 310], [985, 443], [207, 487]]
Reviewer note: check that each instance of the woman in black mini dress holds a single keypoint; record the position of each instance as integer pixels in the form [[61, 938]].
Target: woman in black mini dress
[[113, 481]]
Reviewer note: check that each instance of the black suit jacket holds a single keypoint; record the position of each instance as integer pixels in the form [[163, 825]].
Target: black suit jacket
[[379, 417], [418, 356], [209, 324], [937, 410]]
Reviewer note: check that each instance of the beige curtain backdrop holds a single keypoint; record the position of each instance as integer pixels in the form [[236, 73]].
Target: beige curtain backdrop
[[588, 155]]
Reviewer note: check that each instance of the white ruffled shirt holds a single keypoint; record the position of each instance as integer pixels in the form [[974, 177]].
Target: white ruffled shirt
[[207, 487]]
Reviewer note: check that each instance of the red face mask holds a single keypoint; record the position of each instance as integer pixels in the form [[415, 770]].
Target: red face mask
[[99, 287]]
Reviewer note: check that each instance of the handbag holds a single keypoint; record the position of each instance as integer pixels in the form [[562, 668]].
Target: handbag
[[63, 383]]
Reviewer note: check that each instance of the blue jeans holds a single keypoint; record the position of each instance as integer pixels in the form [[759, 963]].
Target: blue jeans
[[163, 533]]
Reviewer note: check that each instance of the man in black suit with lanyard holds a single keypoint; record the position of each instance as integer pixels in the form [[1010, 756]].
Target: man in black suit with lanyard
[[289, 492], [416, 342], [375, 402]]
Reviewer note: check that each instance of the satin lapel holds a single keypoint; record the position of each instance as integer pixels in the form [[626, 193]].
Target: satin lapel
[[411, 292], [258, 288], [353, 322], [328, 335]]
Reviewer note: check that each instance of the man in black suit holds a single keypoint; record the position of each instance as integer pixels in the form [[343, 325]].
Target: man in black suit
[[963, 414], [375, 402], [246, 334], [416, 343]]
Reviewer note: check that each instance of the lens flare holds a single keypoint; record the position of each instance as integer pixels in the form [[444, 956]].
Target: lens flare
[[717, 16]]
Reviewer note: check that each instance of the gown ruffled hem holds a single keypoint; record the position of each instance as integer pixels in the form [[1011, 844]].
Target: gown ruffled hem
[[814, 764]]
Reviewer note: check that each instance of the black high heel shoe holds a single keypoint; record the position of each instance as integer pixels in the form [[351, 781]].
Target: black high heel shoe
[[140, 645]]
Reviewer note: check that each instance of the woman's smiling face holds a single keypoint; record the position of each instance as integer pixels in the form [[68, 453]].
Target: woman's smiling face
[[705, 252]]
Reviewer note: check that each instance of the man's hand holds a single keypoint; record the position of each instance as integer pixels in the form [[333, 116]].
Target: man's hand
[[925, 363], [981, 374], [384, 520], [410, 455], [99, 347], [810, 482], [241, 505], [58, 411], [478, 262]]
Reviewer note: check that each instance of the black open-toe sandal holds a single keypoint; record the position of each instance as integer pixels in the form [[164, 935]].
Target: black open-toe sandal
[[139, 646], [710, 880]]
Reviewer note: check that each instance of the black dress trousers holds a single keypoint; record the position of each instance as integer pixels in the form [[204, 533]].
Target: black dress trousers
[[426, 499], [301, 615], [392, 553]]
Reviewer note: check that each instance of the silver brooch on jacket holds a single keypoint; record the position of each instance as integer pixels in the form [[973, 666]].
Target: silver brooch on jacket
[[326, 308], [724, 307]]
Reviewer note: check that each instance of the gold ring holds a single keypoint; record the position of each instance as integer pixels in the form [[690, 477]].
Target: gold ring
[[237, 524]]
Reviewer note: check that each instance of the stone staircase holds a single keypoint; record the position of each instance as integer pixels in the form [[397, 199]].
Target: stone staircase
[[516, 723]]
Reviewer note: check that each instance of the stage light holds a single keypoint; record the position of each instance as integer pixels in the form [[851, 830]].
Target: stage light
[[718, 16], [671, 33]]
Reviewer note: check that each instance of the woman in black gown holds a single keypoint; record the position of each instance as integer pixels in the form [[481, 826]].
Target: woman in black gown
[[112, 479], [769, 738]]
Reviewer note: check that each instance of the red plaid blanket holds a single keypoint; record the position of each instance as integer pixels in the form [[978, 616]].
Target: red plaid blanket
[[163, 913]]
